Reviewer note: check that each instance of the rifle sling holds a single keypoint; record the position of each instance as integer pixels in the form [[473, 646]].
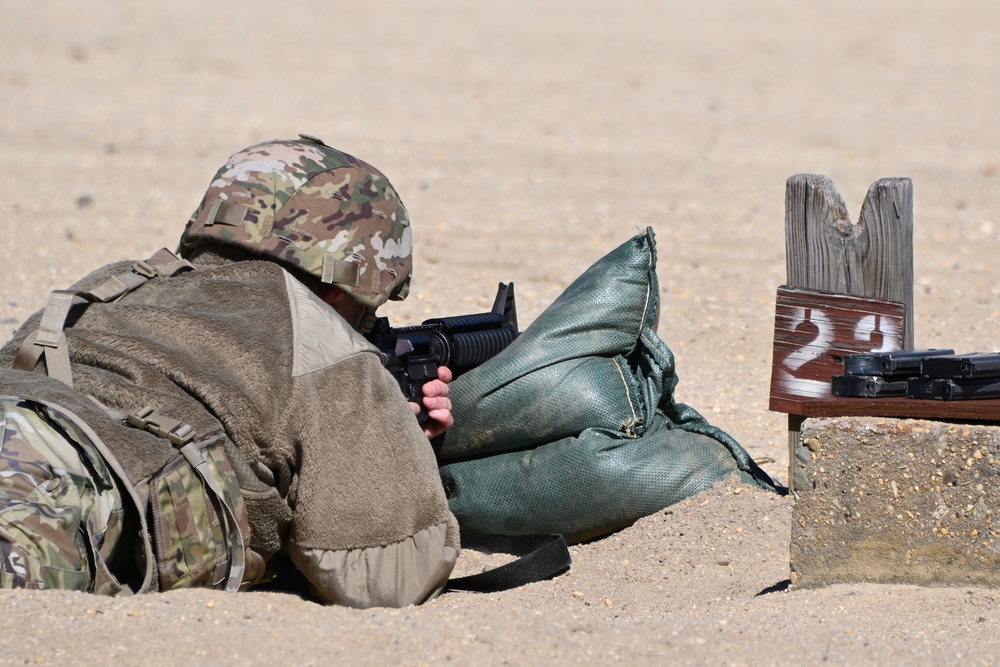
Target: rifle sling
[[540, 557]]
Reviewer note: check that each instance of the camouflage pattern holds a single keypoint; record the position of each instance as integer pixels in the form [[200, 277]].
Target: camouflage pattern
[[307, 204], [192, 543], [60, 508], [61, 511]]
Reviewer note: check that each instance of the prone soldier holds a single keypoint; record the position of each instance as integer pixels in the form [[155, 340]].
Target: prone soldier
[[187, 419]]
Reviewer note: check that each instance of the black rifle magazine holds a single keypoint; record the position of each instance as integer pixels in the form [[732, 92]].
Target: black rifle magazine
[[944, 389], [866, 386], [904, 363], [963, 366]]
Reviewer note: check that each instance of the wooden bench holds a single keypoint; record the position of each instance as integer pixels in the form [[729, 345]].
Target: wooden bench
[[886, 490], [849, 289]]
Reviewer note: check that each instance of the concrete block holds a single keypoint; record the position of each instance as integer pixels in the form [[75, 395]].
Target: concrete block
[[901, 501]]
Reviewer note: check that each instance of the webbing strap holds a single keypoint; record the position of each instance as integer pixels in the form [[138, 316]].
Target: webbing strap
[[229, 213], [50, 339], [181, 436], [226, 213], [162, 263], [539, 557], [237, 556], [115, 287], [340, 271]]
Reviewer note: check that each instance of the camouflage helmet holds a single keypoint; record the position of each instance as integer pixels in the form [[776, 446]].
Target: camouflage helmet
[[312, 208]]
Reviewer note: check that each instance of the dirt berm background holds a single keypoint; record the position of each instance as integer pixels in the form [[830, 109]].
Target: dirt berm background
[[528, 139]]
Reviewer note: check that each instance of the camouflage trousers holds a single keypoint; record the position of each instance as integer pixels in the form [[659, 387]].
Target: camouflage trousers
[[61, 511]]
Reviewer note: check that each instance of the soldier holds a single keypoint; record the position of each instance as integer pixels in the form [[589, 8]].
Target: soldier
[[181, 421]]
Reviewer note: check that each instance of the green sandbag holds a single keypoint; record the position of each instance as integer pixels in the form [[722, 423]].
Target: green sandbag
[[617, 393], [581, 364], [573, 428], [590, 485]]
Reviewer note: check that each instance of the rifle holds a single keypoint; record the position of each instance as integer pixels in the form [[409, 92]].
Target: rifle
[[413, 354]]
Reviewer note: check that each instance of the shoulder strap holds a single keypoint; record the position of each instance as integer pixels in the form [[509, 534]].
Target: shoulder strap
[[539, 557], [181, 436], [49, 340]]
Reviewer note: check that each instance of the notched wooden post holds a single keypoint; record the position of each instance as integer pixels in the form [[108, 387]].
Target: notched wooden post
[[825, 252], [873, 258]]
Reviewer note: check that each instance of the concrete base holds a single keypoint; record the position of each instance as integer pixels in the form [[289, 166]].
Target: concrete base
[[896, 501]]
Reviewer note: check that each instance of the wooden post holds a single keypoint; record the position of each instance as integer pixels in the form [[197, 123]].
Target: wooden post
[[825, 252], [873, 258]]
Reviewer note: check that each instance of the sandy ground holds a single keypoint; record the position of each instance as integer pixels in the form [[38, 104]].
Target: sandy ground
[[528, 139]]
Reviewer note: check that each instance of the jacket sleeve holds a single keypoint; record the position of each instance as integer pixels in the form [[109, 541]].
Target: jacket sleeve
[[371, 525], [370, 522]]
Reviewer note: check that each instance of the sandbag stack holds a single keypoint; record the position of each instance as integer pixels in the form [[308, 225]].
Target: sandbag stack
[[573, 428]]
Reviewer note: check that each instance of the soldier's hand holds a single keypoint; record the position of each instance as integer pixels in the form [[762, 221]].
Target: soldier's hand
[[437, 403]]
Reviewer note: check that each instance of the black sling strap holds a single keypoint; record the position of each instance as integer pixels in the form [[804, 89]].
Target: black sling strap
[[540, 557]]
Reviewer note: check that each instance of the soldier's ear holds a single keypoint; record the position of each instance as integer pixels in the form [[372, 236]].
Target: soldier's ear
[[354, 312]]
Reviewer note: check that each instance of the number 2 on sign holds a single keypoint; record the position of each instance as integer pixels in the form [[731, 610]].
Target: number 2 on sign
[[831, 336]]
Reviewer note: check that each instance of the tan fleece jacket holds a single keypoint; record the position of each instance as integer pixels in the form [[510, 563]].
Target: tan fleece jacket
[[344, 478]]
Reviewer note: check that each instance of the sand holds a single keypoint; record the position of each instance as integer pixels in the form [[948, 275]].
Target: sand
[[527, 140]]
